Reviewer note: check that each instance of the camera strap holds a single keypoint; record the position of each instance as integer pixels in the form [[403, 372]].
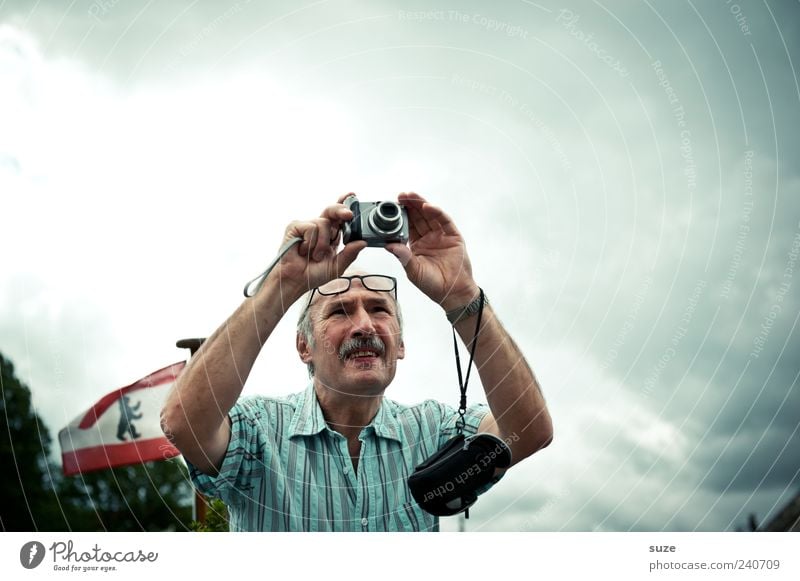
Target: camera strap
[[250, 292], [463, 381]]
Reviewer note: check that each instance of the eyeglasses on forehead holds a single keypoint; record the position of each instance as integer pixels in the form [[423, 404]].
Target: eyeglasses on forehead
[[372, 282]]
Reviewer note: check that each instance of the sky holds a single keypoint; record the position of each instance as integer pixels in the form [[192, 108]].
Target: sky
[[625, 176]]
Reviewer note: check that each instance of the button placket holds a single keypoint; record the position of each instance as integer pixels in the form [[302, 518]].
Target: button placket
[[350, 476], [367, 453]]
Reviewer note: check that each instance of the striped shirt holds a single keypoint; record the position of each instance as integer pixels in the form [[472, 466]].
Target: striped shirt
[[286, 470]]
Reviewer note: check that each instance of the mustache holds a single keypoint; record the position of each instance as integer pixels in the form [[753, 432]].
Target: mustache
[[371, 343]]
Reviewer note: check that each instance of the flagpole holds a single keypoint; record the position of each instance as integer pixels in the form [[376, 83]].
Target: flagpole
[[199, 506]]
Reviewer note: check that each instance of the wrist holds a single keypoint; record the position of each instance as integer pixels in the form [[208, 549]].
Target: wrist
[[469, 310], [456, 300], [280, 291]]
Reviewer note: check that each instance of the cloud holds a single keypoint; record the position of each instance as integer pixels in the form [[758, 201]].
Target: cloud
[[633, 232]]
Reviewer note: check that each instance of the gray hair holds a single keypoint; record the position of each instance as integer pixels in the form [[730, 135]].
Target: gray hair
[[305, 326]]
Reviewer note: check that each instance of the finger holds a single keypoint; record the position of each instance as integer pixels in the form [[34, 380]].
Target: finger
[[414, 234], [424, 225], [416, 205], [310, 237], [348, 255], [298, 229], [335, 236], [411, 198], [438, 216], [343, 197], [402, 252], [416, 219], [322, 247], [337, 213], [294, 229]]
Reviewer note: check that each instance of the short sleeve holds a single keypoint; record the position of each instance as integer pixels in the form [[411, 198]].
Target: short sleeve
[[245, 454], [472, 421]]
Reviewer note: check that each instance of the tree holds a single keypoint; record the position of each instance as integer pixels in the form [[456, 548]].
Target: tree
[[35, 496], [28, 499], [156, 496], [216, 518]]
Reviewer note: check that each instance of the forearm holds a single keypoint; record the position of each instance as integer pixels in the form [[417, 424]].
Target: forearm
[[212, 381], [436, 262], [512, 390]]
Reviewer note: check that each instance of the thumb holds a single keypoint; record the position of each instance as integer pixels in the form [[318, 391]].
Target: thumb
[[402, 252], [348, 255]]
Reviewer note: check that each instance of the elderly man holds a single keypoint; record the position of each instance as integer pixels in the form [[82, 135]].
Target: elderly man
[[337, 456]]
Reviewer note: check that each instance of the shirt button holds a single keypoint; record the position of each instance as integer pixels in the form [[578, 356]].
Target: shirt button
[[364, 522]]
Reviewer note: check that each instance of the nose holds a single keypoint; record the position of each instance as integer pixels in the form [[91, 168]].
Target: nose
[[362, 322]]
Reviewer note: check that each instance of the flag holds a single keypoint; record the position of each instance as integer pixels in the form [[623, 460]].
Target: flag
[[122, 428]]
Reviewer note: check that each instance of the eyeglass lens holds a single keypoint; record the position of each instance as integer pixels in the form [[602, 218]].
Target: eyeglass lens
[[373, 282]]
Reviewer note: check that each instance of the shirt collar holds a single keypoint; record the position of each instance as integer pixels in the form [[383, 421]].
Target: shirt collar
[[309, 421], [385, 422]]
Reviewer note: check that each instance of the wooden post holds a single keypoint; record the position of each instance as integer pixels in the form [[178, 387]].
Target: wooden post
[[199, 507]]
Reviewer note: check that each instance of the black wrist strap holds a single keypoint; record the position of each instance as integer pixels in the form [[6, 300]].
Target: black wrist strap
[[462, 382]]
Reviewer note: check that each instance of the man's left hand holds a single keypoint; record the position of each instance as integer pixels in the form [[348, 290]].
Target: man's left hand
[[435, 259]]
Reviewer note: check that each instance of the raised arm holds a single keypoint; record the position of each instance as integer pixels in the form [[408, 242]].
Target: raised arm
[[519, 412], [436, 261], [195, 415]]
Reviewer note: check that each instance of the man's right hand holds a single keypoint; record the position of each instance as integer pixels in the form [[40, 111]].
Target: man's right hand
[[195, 415], [314, 261]]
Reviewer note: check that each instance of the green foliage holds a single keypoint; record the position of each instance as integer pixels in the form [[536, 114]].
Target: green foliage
[[27, 489], [156, 496], [216, 519]]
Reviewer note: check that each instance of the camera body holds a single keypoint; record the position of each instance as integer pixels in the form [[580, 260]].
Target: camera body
[[378, 223]]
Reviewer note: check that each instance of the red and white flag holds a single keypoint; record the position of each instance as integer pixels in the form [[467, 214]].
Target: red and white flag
[[122, 428]]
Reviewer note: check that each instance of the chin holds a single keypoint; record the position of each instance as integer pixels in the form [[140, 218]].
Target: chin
[[358, 378], [371, 380]]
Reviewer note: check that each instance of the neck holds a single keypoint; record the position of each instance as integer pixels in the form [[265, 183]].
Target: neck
[[346, 413]]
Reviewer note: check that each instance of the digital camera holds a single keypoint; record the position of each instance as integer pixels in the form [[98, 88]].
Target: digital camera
[[378, 223]]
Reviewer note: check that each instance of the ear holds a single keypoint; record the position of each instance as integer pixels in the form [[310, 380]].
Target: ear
[[303, 348], [401, 350]]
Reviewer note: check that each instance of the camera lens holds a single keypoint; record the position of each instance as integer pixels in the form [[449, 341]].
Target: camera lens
[[386, 218], [388, 210]]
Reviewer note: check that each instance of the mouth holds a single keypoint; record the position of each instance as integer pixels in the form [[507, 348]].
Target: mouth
[[362, 353], [363, 356]]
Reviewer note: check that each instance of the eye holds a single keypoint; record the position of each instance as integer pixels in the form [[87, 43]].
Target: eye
[[335, 312], [380, 309]]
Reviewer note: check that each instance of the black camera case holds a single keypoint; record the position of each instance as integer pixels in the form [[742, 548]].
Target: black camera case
[[450, 480]]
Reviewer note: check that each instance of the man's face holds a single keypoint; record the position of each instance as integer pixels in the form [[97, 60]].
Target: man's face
[[356, 340]]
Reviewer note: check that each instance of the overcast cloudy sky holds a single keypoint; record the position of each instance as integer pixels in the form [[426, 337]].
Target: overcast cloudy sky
[[625, 175]]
